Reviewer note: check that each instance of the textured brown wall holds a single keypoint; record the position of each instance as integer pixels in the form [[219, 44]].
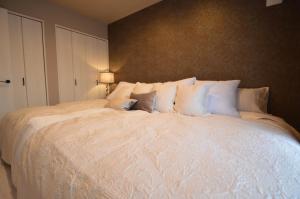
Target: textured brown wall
[[213, 39], [53, 14]]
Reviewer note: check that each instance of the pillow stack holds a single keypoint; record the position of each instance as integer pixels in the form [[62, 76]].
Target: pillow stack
[[165, 97], [190, 97], [190, 100], [222, 98], [150, 97], [208, 97], [166, 94]]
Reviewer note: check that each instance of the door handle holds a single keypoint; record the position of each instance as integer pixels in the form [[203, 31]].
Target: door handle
[[23, 81], [5, 81]]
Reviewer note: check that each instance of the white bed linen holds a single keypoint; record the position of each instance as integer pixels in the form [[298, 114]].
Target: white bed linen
[[271, 120], [13, 122], [109, 154], [104, 153]]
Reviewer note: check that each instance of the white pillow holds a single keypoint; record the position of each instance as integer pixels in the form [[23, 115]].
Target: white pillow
[[165, 97], [253, 99], [123, 91], [141, 88], [222, 98], [121, 104], [202, 82], [190, 100], [188, 81]]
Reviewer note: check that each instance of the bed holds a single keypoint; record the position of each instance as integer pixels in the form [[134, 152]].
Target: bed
[[83, 150]]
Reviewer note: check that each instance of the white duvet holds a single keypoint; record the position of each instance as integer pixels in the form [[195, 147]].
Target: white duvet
[[103, 153]]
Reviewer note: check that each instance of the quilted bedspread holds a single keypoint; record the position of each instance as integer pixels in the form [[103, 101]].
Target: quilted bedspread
[[94, 152]]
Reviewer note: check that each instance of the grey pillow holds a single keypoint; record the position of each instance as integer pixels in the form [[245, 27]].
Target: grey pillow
[[145, 101]]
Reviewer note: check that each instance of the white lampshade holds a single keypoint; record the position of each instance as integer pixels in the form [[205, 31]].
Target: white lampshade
[[107, 78]]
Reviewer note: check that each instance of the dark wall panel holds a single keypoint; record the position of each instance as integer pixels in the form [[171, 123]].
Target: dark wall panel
[[217, 40]]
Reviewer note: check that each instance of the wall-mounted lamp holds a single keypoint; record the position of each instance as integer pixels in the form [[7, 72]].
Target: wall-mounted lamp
[[107, 78]]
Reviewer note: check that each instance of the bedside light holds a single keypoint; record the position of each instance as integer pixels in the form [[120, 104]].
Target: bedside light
[[107, 78]]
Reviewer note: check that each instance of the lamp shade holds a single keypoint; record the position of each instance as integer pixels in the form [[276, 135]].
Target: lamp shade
[[107, 78]]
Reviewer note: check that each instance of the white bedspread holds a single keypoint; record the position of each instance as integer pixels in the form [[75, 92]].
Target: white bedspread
[[13, 123], [104, 153]]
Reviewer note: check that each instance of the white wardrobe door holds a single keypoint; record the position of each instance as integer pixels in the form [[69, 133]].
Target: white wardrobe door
[[80, 66], [103, 62], [80, 57], [104, 56], [34, 62], [94, 62], [17, 61], [6, 104], [65, 65]]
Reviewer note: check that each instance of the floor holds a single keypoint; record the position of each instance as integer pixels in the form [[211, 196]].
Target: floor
[[7, 191]]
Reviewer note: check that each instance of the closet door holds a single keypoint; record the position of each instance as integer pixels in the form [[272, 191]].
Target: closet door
[[34, 62], [80, 66], [80, 58], [103, 62], [6, 104], [104, 57], [17, 62], [65, 65], [94, 64]]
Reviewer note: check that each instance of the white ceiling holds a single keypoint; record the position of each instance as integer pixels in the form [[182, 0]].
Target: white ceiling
[[106, 11]]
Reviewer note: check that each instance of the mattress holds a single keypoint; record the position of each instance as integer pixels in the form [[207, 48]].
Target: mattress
[[96, 152]]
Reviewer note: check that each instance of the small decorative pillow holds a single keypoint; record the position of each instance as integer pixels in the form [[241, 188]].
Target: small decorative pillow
[[121, 103], [141, 88], [123, 90], [165, 97], [222, 98], [190, 100], [253, 99], [144, 102]]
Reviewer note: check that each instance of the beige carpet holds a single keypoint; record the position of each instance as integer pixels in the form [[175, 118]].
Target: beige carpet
[[7, 191]]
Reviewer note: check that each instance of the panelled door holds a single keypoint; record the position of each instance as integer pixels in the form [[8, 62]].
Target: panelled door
[[66, 78], [80, 58], [34, 62], [22, 62], [81, 70], [17, 63], [103, 64], [94, 52], [6, 97], [27, 62]]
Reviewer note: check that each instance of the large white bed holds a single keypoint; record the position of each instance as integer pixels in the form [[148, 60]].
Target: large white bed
[[83, 150]]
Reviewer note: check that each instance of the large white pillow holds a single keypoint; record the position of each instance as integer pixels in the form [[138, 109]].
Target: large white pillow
[[253, 99], [141, 88], [188, 81], [222, 98], [191, 99], [202, 82], [165, 97], [122, 91]]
